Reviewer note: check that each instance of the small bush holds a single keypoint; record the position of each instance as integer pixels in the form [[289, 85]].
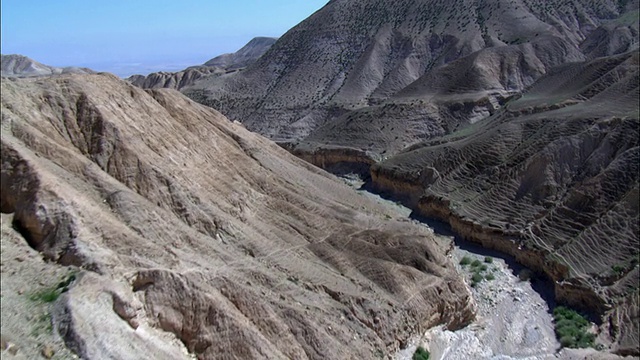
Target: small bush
[[490, 277], [476, 263], [465, 261], [52, 294], [420, 354], [571, 328], [617, 269], [488, 259], [46, 295], [476, 278], [525, 274], [483, 268]]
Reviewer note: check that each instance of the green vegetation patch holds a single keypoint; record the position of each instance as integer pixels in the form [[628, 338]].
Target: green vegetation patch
[[52, 294], [571, 328], [420, 354], [465, 261], [478, 269]]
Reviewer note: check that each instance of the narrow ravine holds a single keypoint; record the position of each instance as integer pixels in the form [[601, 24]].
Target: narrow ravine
[[513, 321]]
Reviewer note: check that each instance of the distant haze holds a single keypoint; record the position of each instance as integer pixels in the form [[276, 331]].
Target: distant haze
[[139, 37]]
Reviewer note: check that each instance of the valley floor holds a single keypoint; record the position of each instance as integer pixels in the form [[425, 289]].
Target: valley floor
[[514, 318]]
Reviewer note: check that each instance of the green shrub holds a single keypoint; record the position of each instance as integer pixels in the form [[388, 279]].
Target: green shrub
[[52, 294], [490, 277], [617, 269], [465, 261], [476, 278], [483, 268], [488, 259], [571, 328], [46, 295], [476, 263], [420, 354]]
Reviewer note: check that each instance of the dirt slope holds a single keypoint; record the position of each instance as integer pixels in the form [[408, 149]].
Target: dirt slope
[[194, 237], [552, 179]]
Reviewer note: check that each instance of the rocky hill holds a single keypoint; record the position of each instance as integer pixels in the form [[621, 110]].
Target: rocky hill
[[220, 65], [170, 232], [173, 80], [21, 66], [247, 55], [352, 58], [514, 121], [552, 179]]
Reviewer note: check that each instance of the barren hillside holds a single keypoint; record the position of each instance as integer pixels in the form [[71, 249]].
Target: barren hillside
[[21, 66], [217, 66], [552, 179], [174, 80], [188, 235], [353, 54], [247, 55]]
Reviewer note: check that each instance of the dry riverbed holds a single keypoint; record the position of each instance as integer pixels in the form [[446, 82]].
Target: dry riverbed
[[514, 318]]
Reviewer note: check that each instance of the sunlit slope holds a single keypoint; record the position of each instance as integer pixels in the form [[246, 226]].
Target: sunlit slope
[[191, 228], [552, 178]]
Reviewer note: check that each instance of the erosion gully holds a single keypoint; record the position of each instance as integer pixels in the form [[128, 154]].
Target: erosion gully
[[514, 318]]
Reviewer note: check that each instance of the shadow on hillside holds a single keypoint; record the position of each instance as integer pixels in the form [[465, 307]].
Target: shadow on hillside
[[539, 281]]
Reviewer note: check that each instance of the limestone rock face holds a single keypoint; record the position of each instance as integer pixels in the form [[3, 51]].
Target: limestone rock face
[[21, 66], [196, 237]]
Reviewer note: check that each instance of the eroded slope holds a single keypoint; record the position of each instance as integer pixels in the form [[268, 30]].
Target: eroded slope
[[552, 179], [353, 54], [191, 230]]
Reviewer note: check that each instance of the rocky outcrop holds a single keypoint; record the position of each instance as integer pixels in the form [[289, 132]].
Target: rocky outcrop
[[195, 237], [173, 80], [21, 66]]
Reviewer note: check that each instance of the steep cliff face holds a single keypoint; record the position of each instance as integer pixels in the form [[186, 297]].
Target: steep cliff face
[[552, 179], [191, 234], [354, 54]]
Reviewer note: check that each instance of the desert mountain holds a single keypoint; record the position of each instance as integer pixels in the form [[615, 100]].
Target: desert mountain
[[351, 55], [173, 80], [521, 119], [247, 55], [188, 235], [217, 66], [22, 66], [553, 179]]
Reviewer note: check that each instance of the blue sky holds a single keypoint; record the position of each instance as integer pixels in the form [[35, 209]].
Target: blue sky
[[141, 36]]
